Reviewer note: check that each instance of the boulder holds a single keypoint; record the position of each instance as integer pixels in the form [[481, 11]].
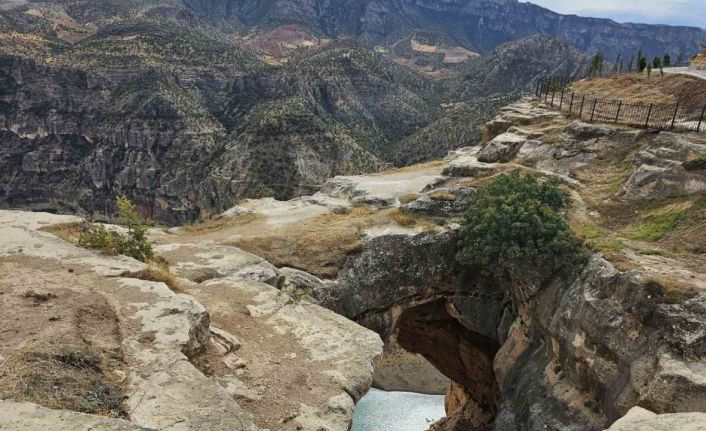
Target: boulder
[[666, 168], [442, 202], [468, 166], [639, 419], [502, 148]]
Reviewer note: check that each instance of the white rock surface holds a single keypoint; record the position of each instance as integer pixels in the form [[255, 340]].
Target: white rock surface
[[16, 416], [639, 419]]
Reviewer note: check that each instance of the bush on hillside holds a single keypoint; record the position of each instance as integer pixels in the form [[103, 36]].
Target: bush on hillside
[[514, 229], [134, 243]]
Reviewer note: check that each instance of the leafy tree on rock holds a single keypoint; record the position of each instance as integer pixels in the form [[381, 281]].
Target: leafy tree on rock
[[514, 229]]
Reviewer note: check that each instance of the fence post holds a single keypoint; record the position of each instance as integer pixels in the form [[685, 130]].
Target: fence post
[[536, 92], [583, 99], [674, 117], [617, 114], [561, 101], [701, 119], [571, 104], [649, 112], [553, 93], [593, 110], [546, 93]]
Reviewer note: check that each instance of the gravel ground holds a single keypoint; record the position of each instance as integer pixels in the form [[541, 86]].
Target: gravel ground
[[686, 71]]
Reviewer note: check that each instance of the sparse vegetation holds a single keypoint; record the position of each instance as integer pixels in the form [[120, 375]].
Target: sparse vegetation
[[410, 197], [670, 290], [403, 219], [515, 228], [221, 222], [656, 224], [134, 243], [78, 359], [101, 398], [159, 272], [442, 196], [697, 163]]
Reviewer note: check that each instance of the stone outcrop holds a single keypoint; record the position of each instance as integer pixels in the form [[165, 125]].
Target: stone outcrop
[[699, 61], [576, 353], [203, 358], [639, 419], [16, 416], [672, 165]]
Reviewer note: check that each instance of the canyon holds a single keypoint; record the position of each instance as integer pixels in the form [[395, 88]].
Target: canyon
[[281, 314], [188, 106]]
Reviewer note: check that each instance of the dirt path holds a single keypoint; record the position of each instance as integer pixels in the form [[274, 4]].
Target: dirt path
[[686, 71]]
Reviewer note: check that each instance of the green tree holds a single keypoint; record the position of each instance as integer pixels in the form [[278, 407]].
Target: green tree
[[596, 65], [649, 71], [134, 243], [667, 61], [617, 65], [515, 229], [631, 63], [641, 61], [657, 62]]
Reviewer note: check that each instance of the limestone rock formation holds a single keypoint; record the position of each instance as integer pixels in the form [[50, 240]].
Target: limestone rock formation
[[672, 165], [200, 357], [250, 339], [639, 419], [16, 416]]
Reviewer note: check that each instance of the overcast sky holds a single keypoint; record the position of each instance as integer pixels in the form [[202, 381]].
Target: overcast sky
[[675, 12]]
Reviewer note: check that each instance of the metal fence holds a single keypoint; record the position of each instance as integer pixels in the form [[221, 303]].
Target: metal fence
[[683, 115]]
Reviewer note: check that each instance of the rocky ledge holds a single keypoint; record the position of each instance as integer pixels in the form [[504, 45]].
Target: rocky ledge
[[229, 353], [620, 347]]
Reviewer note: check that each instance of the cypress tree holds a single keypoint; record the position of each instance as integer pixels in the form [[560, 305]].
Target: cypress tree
[[667, 60], [657, 63]]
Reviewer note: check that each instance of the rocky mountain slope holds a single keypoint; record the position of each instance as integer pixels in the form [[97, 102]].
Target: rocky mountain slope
[[476, 25], [596, 351], [150, 101]]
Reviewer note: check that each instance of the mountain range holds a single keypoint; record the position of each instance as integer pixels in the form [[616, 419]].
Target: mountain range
[[187, 106]]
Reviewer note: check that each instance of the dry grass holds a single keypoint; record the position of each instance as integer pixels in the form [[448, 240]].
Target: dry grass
[[638, 88], [443, 196], [322, 244], [413, 168], [221, 222], [67, 231], [410, 197], [403, 219], [319, 245], [58, 346], [159, 272], [670, 290]]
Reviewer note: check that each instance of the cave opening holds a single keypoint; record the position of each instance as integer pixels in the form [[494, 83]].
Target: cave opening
[[463, 355]]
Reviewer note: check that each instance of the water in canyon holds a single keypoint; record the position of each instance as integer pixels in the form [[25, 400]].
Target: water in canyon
[[397, 411]]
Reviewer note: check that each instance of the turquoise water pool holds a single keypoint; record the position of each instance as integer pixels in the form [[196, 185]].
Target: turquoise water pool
[[397, 411]]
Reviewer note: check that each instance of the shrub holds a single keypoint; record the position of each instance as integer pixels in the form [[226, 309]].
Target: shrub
[[134, 243], [515, 229]]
